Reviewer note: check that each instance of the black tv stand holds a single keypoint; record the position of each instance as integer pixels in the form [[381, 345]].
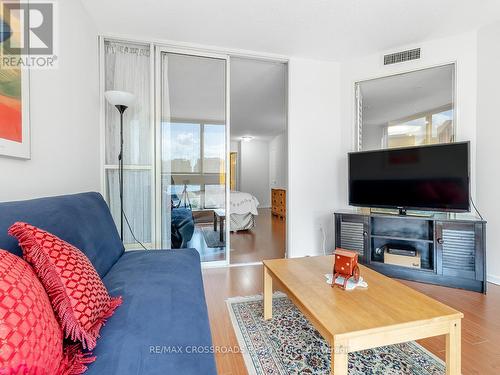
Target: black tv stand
[[450, 248]]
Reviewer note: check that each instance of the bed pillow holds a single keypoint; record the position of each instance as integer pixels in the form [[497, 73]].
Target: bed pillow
[[31, 338], [78, 295]]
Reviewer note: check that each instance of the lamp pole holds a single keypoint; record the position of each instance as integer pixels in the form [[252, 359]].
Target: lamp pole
[[121, 100], [121, 109]]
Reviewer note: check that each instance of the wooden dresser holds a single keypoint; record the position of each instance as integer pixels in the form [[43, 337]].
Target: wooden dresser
[[278, 201]]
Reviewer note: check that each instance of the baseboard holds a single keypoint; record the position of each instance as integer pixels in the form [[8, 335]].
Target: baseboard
[[494, 279]]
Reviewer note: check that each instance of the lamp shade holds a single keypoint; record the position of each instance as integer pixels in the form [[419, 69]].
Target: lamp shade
[[115, 97]]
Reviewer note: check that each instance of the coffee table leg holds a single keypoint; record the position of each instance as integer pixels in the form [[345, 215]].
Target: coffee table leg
[[340, 359], [268, 294], [453, 349], [215, 222]]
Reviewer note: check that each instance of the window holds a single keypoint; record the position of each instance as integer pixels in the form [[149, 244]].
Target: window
[[180, 192], [409, 109], [214, 148], [196, 160], [431, 128], [442, 123], [185, 146]]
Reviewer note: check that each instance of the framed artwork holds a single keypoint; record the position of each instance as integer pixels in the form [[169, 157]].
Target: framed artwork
[[14, 106]]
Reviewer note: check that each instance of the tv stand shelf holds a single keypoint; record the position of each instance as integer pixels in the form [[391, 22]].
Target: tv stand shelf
[[450, 248], [401, 238]]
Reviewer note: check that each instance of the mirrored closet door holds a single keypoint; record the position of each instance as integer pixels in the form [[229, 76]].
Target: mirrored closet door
[[191, 139]]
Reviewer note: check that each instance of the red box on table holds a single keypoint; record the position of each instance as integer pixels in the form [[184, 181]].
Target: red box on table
[[345, 265]]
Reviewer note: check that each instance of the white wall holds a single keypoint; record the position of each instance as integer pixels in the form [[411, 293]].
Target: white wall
[[488, 137], [254, 170], [461, 49], [278, 166], [314, 154], [65, 156]]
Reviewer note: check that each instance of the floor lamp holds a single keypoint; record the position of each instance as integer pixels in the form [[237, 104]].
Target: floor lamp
[[121, 100]]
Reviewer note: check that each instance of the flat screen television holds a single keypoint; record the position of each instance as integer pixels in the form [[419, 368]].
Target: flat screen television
[[425, 178]]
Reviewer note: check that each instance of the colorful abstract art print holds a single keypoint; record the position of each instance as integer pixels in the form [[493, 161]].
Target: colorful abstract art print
[[14, 99]]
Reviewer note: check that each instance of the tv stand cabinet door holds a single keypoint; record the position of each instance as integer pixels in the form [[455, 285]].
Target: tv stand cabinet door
[[459, 250], [353, 233]]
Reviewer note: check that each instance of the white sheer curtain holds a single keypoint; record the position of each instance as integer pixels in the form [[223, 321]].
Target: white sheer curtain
[[127, 68]]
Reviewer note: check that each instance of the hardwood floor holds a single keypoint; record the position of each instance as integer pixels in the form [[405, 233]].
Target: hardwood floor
[[207, 254], [265, 241], [480, 326]]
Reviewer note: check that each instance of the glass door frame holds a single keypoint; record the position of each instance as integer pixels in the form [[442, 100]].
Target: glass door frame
[[158, 51]]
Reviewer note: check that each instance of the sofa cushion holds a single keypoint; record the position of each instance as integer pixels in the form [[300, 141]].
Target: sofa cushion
[[30, 335], [78, 296], [83, 220], [163, 321]]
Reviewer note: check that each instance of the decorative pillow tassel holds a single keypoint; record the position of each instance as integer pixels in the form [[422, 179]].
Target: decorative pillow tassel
[[75, 360], [113, 305]]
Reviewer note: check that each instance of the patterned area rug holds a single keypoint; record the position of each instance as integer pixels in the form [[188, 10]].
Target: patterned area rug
[[289, 344]]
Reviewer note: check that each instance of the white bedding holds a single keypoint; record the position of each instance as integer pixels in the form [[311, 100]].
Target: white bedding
[[243, 203]]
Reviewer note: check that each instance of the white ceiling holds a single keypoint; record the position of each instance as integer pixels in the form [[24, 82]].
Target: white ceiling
[[258, 98], [395, 97], [325, 29]]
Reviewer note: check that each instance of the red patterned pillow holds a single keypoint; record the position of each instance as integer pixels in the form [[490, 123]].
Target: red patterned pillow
[[31, 339], [76, 291]]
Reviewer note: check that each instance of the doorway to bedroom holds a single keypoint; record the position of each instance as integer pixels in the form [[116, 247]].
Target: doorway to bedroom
[[258, 167]]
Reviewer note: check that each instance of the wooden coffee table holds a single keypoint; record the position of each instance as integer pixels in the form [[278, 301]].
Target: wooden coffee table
[[385, 313]]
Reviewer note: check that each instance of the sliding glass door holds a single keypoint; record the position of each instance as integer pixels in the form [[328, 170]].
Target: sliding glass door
[[191, 148]]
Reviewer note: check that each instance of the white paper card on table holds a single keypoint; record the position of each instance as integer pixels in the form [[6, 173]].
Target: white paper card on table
[[350, 283]]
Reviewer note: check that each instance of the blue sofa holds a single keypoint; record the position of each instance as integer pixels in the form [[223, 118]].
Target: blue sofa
[[162, 326]]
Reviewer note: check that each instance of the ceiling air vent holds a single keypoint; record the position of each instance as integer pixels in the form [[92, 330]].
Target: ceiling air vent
[[394, 58]]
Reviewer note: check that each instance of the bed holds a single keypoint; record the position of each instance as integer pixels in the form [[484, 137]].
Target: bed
[[243, 211]]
